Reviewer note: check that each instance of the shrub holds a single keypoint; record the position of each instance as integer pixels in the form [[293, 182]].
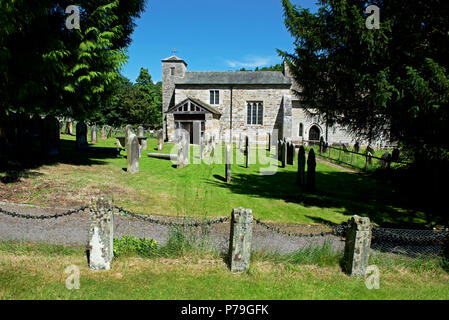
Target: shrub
[[129, 245]]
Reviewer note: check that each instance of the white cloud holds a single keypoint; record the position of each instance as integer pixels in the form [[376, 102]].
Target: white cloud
[[250, 62]]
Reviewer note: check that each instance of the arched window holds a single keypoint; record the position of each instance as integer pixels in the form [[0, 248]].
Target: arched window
[[301, 129]]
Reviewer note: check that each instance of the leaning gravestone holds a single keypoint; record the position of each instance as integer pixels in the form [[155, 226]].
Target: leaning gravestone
[[133, 153], [301, 177], [93, 134], [81, 134], [311, 165], [50, 138]]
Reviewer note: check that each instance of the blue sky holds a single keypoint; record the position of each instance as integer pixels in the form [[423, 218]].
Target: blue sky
[[210, 35]]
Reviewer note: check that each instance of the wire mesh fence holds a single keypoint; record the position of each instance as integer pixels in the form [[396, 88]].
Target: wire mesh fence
[[286, 237]]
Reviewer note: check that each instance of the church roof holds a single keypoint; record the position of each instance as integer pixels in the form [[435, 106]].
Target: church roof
[[174, 59], [234, 77]]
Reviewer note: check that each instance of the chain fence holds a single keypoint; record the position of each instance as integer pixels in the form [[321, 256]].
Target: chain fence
[[411, 242]]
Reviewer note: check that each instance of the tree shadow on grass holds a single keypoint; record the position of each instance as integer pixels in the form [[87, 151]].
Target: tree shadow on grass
[[345, 192], [24, 163]]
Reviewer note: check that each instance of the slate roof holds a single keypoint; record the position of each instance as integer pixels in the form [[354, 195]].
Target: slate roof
[[234, 77], [174, 59]]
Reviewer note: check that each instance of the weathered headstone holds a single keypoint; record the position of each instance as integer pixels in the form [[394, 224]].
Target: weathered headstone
[[386, 160], [133, 153], [81, 134], [269, 142], [160, 141], [103, 134], [301, 177], [93, 134], [101, 233], [140, 131], [280, 150], [183, 150], [357, 246], [321, 149], [284, 154], [228, 163], [240, 239], [50, 137], [311, 165]]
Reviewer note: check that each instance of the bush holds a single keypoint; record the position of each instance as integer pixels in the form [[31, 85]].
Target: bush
[[129, 245]]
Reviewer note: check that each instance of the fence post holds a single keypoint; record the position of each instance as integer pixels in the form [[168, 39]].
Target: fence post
[[357, 246], [101, 233], [240, 239]]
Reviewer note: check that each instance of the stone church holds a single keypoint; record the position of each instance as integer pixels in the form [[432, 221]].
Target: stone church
[[237, 103]]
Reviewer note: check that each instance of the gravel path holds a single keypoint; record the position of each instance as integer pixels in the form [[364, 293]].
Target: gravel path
[[73, 230]]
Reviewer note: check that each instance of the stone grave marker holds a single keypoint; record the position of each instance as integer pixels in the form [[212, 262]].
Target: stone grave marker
[[311, 165], [133, 153], [81, 134], [93, 134], [240, 239], [301, 177]]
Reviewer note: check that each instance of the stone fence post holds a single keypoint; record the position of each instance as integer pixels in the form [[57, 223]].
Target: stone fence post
[[240, 239], [357, 246], [101, 233]]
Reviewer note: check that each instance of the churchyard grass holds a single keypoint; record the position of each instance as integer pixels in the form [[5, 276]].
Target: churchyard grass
[[36, 271], [200, 190]]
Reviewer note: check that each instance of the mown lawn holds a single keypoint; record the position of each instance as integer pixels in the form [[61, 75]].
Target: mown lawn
[[31, 271], [199, 189]]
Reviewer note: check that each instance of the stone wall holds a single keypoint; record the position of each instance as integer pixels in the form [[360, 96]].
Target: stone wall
[[270, 95]]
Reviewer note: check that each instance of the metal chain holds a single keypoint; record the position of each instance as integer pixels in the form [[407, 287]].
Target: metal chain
[[171, 224], [41, 217]]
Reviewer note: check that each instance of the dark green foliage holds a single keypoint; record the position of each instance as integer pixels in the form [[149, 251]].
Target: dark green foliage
[[47, 68], [393, 80], [129, 245]]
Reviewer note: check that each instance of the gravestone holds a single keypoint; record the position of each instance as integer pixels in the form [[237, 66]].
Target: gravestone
[[386, 160], [369, 158], [133, 153], [345, 148], [321, 145], [370, 150], [280, 150], [228, 164], [81, 134], [247, 152], [325, 146], [269, 142], [284, 154], [103, 134], [357, 246], [240, 239], [50, 137], [93, 134], [160, 140], [101, 233], [311, 165], [395, 154], [140, 131], [301, 177], [183, 150], [356, 146], [128, 131], [291, 154]]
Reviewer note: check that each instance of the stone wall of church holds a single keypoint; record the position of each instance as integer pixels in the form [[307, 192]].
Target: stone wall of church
[[270, 95]]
